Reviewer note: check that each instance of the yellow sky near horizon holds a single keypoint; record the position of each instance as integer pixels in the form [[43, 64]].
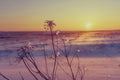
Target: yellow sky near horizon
[[29, 15]]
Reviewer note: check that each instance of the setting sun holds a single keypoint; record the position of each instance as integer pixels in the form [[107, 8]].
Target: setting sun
[[88, 25]]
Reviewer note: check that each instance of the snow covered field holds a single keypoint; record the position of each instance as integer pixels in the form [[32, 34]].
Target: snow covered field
[[99, 54]]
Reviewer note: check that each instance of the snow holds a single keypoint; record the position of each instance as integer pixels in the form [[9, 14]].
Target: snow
[[99, 54]]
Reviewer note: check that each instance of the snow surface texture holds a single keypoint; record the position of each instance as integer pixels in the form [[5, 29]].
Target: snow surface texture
[[99, 54]]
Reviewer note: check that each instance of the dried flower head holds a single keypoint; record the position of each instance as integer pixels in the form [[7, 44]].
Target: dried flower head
[[57, 32], [46, 28], [50, 23], [78, 50], [53, 56], [58, 54], [24, 51], [65, 40]]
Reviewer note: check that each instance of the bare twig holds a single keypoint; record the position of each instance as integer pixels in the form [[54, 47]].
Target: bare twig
[[21, 76], [4, 76]]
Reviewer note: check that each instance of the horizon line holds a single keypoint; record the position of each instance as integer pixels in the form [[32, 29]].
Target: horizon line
[[64, 30]]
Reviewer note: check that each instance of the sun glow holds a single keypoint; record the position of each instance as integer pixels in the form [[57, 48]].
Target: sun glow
[[88, 25]]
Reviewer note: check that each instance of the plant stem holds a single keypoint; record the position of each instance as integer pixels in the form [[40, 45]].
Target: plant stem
[[4, 76], [55, 61]]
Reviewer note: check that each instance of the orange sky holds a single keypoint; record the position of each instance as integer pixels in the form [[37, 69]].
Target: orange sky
[[29, 15]]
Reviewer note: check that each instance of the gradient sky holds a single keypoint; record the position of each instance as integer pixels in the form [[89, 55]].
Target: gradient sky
[[29, 15]]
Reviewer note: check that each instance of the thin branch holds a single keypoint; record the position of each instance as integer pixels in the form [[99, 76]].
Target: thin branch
[[21, 76], [4, 76], [24, 61], [45, 57], [64, 70], [55, 60]]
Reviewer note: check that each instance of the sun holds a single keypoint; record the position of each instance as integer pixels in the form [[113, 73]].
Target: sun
[[88, 25]]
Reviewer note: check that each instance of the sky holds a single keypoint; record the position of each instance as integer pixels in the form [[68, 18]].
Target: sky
[[30, 15]]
